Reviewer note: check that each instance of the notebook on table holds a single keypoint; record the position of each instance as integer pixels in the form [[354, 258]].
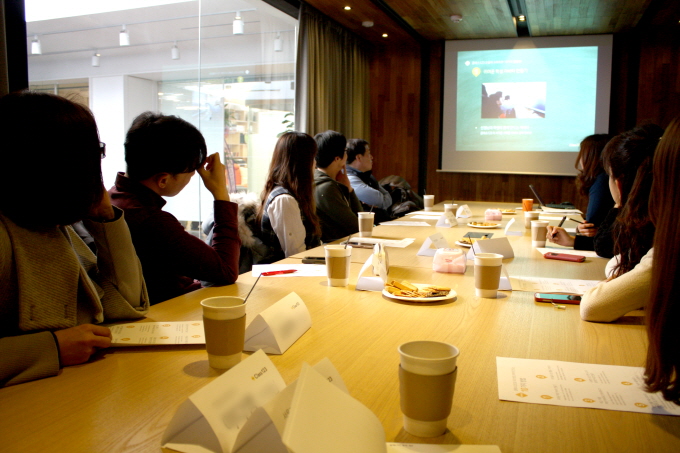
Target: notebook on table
[[551, 207]]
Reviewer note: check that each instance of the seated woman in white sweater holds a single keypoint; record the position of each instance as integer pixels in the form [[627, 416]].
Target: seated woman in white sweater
[[287, 216], [627, 158]]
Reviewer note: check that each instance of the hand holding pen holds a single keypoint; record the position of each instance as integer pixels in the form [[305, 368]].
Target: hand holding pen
[[585, 228], [558, 235]]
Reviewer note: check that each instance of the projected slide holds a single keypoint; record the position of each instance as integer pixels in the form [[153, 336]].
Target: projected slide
[[540, 99]]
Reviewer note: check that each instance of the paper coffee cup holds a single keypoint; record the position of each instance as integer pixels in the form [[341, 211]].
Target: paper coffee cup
[[539, 231], [527, 204], [337, 264], [429, 202], [427, 378], [450, 207], [366, 220], [224, 322], [487, 274], [529, 216]]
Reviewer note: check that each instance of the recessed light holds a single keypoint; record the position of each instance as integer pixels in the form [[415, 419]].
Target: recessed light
[[522, 18], [347, 8], [384, 35]]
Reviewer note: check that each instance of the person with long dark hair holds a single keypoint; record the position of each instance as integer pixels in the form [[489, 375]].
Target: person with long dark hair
[[287, 216], [628, 160], [56, 291], [662, 373], [592, 181]]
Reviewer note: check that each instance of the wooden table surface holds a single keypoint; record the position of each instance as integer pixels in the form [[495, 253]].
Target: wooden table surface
[[124, 398]]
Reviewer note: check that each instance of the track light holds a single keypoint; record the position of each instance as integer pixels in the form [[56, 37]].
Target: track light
[[278, 43], [238, 24], [124, 37], [36, 48], [174, 52], [522, 18], [95, 60]]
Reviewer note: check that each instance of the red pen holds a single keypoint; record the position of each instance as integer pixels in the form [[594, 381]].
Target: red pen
[[287, 271]]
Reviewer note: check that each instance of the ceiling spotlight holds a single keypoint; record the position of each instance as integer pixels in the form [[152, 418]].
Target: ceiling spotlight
[[384, 35], [278, 43], [238, 24], [95, 60], [456, 18], [124, 37], [174, 52], [522, 18], [36, 49], [367, 23], [347, 8]]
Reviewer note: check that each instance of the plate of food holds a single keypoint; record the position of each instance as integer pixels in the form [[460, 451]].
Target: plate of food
[[417, 292], [483, 225], [468, 241]]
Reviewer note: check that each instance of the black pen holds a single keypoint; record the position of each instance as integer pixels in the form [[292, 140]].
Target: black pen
[[574, 220], [558, 226]]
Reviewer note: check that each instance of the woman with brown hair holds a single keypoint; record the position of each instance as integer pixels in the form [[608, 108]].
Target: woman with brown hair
[[628, 161], [287, 216], [592, 181], [663, 312]]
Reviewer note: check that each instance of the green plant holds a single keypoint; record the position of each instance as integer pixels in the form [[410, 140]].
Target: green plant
[[288, 121]]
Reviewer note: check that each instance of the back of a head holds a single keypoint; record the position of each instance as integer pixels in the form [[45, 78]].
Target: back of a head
[[291, 165], [663, 312], [330, 144], [589, 160], [52, 160], [158, 143], [628, 158], [355, 146]]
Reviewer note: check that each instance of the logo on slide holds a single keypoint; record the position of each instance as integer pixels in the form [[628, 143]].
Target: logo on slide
[[476, 71]]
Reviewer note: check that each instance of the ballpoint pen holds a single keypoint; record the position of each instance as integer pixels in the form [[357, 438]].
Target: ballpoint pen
[[574, 220], [558, 226], [287, 271]]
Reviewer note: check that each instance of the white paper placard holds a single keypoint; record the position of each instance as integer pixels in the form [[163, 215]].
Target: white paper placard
[[496, 245], [590, 385], [437, 240], [447, 220], [464, 211], [157, 333], [210, 419], [509, 232], [379, 265], [275, 329]]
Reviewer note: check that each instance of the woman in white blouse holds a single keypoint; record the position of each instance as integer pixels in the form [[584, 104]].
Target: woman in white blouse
[[287, 216]]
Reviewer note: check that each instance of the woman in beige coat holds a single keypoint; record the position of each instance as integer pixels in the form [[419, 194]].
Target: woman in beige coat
[[56, 288]]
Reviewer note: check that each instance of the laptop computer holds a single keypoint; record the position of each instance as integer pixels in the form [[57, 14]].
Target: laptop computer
[[552, 206]]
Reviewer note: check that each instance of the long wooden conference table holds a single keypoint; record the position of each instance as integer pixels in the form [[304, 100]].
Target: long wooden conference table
[[124, 398]]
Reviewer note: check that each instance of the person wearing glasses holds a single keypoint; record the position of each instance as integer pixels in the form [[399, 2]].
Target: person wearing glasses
[[56, 291], [162, 154]]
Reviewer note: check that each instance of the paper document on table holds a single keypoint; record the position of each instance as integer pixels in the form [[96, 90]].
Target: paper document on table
[[404, 223], [157, 333], [551, 285], [398, 243], [424, 213], [552, 382], [301, 270], [586, 253], [427, 216]]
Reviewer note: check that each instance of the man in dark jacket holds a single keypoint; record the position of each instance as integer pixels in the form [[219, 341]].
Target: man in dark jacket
[[336, 203]]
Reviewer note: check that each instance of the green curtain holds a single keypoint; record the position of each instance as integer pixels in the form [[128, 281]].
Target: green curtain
[[332, 77]]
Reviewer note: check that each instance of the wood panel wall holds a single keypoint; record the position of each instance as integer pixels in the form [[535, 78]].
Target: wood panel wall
[[395, 111]]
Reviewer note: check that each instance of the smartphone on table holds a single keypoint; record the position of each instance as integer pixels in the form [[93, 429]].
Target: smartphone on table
[[557, 298], [565, 257]]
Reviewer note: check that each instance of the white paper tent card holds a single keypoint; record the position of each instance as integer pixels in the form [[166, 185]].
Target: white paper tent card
[[464, 212], [509, 232], [379, 265], [497, 245], [437, 240], [447, 220], [210, 419], [325, 419], [275, 329]]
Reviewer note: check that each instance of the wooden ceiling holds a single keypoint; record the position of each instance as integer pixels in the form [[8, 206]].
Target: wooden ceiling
[[484, 18]]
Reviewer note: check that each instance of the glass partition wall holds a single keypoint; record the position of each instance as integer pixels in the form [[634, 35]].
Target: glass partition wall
[[226, 66]]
